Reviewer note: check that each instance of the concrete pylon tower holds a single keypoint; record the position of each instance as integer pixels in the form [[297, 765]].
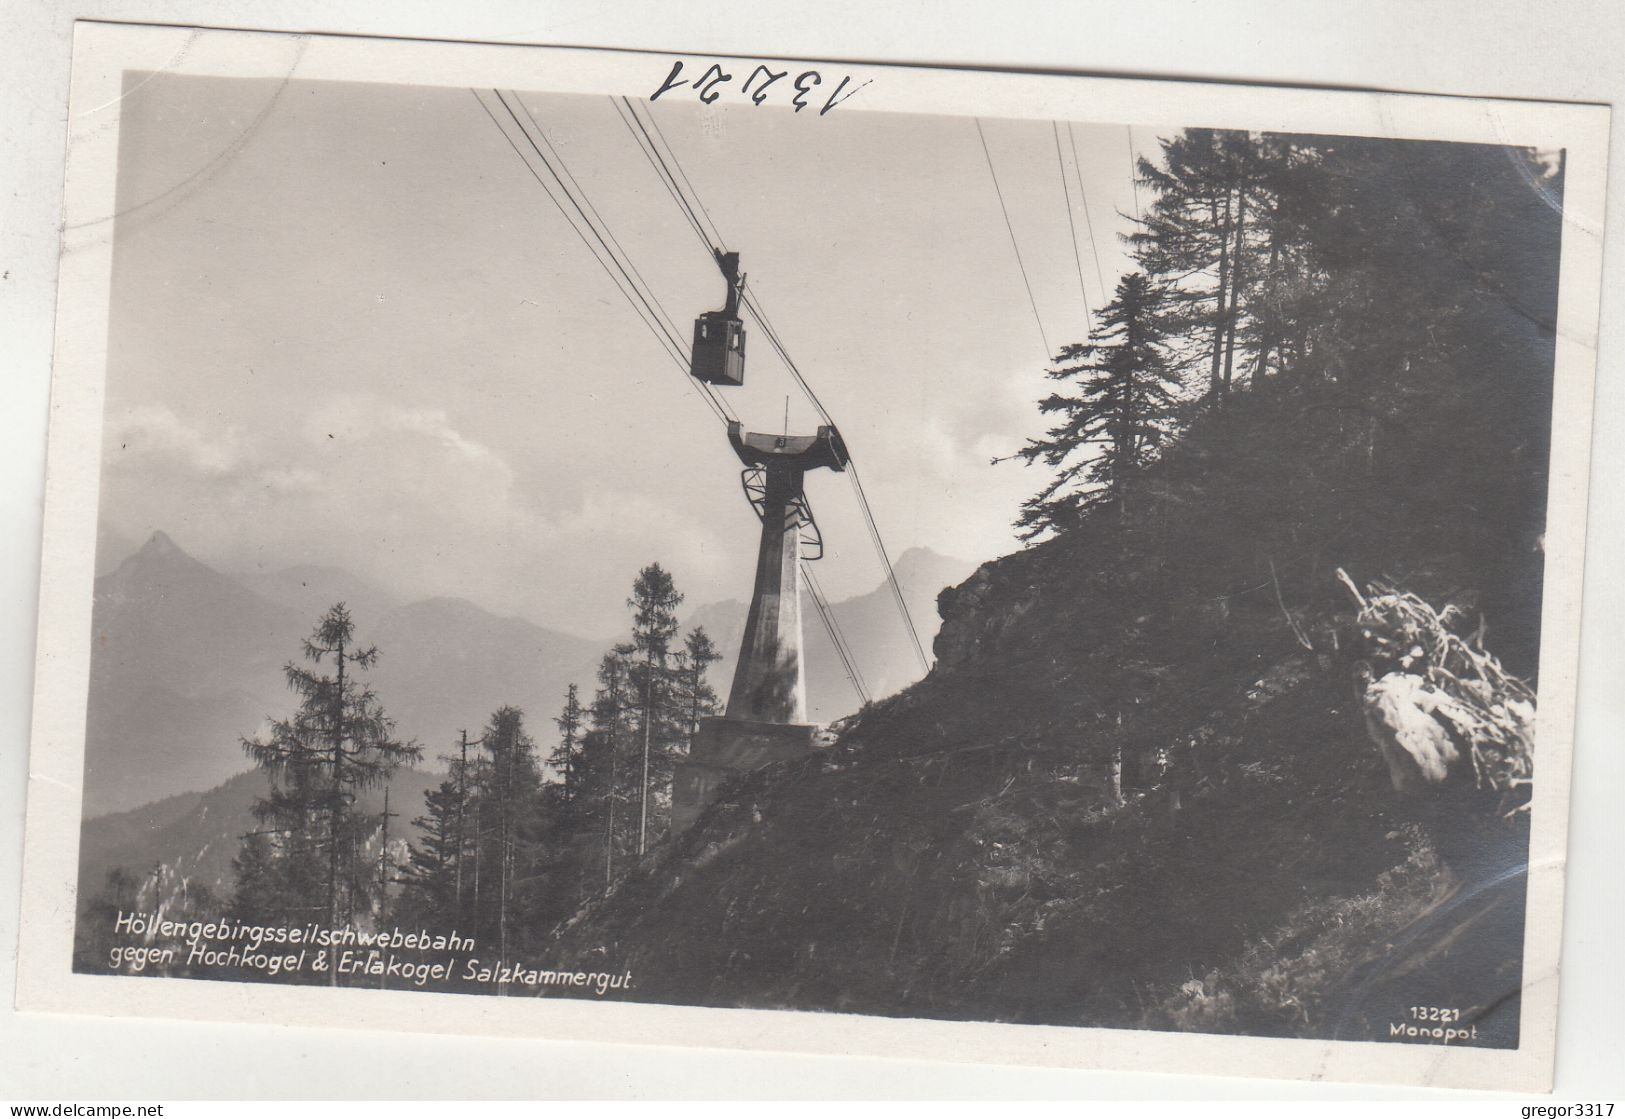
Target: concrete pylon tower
[[769, 685], [767, 705]]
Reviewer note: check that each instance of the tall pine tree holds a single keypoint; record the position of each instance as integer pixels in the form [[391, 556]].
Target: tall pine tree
[[654, 605], [509, 793], [566, 756], [1200, 239], [605, 754]]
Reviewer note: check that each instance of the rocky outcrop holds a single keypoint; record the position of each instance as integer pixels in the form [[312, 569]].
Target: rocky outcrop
[[979, 615], [1136, 790]]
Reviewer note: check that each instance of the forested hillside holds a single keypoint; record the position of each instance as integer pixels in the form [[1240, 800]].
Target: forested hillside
[[1155, 779]]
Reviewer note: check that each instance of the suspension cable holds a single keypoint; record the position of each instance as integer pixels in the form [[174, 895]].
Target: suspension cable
[[1089, 222], [644, 306], [640, 137], [647, 300], [1072, 228], [677, 192], [843, 649], [694, 194], [718, 402], [772, 336], [999, 191], [552, 197], [671, 326]]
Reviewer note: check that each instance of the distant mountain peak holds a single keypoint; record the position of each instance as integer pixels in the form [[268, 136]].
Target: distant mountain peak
[[919, 553], [161, 557], [159, 544]]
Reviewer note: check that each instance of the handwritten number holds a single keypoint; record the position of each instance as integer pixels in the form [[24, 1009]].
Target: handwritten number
[[804, 87], [671, 81], [705, 86], [761, 92], [836, 98], [756, 86]]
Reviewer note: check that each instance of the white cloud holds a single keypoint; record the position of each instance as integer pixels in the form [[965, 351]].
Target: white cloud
[[402, 496], [153, 432]]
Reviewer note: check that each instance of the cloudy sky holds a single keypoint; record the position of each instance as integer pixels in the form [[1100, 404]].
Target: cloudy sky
[[349, 328]]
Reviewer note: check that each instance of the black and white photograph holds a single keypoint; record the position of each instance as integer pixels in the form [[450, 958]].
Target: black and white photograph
[[578, 534]]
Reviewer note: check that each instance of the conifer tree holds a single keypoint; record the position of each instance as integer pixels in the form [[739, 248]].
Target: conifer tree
[[463, 771], [566, 756], [1199, 240], [509, 787], [430, 895], [262, 870], [654, 605], [604, 753], [336, 745], [698, 697]]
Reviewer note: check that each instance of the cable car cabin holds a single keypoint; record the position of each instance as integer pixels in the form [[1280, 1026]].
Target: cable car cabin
[[719, 336], [719, 349]]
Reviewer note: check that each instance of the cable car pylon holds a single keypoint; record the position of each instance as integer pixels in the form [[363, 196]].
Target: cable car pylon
[[766, 719]]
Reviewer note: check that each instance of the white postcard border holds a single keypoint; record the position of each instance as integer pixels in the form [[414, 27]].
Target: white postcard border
[[104, 51]]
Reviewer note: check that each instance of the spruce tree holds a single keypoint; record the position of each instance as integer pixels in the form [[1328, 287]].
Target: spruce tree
[[604, 754], [430, 880], [654, 605], [509, 788], [696, 694], [1199, 240], [566, 756], [337, 744]]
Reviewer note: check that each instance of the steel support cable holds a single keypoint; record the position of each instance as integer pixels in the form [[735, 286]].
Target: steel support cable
[[581, 211], [1089, 222], [640, 137], [675, 162], [678, 192], [675, 339], [680, 187], [826, 614], [651, 153], [1020, 264], [836, 634], [648, 288], [640, 308], [891, 572], [660, 335], [852, 471], [1072, 228], [754, 306]]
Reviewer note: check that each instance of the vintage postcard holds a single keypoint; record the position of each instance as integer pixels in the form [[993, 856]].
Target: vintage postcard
[[776, 553]]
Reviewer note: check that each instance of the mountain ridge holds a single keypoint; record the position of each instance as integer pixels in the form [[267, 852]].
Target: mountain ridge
[[187, 660]]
